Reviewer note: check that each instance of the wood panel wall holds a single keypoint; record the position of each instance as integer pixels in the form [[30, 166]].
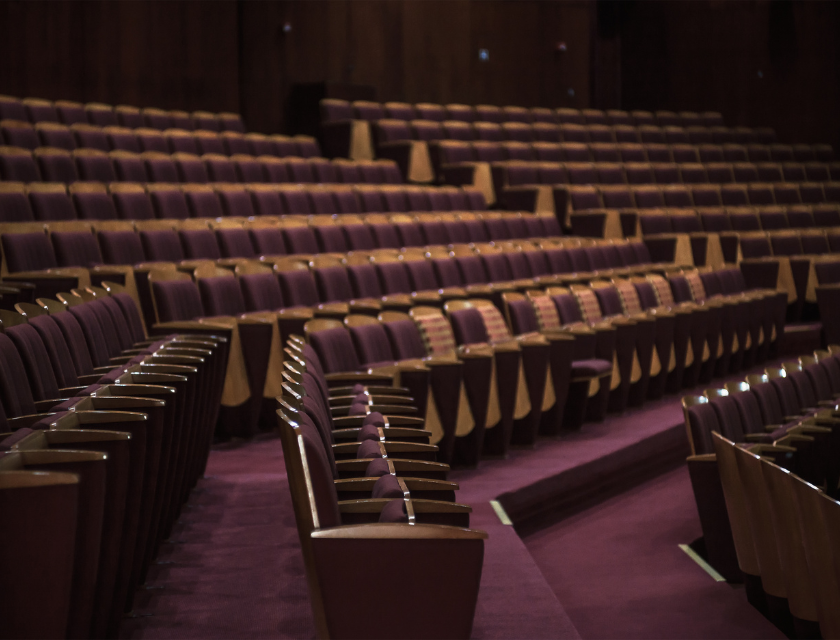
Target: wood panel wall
[[761, 63], [174, 55], [235, 55], [417, 50]]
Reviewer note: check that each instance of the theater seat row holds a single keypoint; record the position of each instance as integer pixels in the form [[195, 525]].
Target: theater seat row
[[747, 441], [333, 109], [757, 194], [59, 165], [84, 391], [477, 321], [452, 152], [399, 502], [713, 219], [69, 112], [113, 138], [50, 202], [517, 173], [81, 245], [388, 132]]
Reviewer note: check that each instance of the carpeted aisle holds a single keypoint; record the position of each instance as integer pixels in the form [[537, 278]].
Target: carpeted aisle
[[619, 573], [237, 572]]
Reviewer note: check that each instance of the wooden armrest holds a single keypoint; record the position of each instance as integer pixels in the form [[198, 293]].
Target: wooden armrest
[[390, 531], [703, 458], [350, 448], [391, 433], [347, 422], [760, 449], [46, 405], [359, 377], [346, 401], [417, 484], [348, 391]]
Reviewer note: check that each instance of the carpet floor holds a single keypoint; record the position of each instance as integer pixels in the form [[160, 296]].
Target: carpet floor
[[619, 573]]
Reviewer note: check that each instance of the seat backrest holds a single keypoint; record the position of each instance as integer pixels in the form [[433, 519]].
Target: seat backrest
[[76, 249], [221, 296], [335, 350], [261, 292], [177, 300], [468, 326], [28, 251], [372, 343]]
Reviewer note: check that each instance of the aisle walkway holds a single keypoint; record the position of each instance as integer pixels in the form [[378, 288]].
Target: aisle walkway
[[238, 572], [619, 573]]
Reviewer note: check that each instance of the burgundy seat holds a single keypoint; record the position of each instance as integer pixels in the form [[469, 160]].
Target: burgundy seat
[[190, 168], [235, 243], [94, 204], [168, 204], [129, 167], [331, 238], [300, 240], [120, 247], [14, 205], [28, 251], [298, 288], [51, 202], [268, 241], [261, 292], [162, 246], [160, 168], [76, 249], [203, 203], [56, 165]]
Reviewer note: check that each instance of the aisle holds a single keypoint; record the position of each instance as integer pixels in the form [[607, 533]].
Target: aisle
[[237, 572], [618, 572]]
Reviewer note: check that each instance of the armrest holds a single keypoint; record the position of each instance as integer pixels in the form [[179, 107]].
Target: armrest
[[390, 433], [761, 449], [417, 484], [376, 390], [387, 531], [703, 458], [345, 401], [358, 377], [45, 405], [348, 422], [390, 447]]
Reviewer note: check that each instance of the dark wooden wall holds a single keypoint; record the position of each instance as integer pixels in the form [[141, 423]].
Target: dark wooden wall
[[174, 55], [416, 50], [761, 63], [235, 55]]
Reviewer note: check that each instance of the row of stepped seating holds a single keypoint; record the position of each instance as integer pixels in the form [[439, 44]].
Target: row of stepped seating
[[517, 173], [329, 287], [402, 131], [649, 196], [133, 201], [333, 109], [104, 434], [114, 138], [512, 165], [83, 244], [590, 222], [68, 112], [59, 165], [388, 132], [762, 524], [365, 483], [453, 151]]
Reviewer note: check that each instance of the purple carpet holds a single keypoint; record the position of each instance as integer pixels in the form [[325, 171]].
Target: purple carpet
[[237, 571], [235, 568], [619, 573]]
